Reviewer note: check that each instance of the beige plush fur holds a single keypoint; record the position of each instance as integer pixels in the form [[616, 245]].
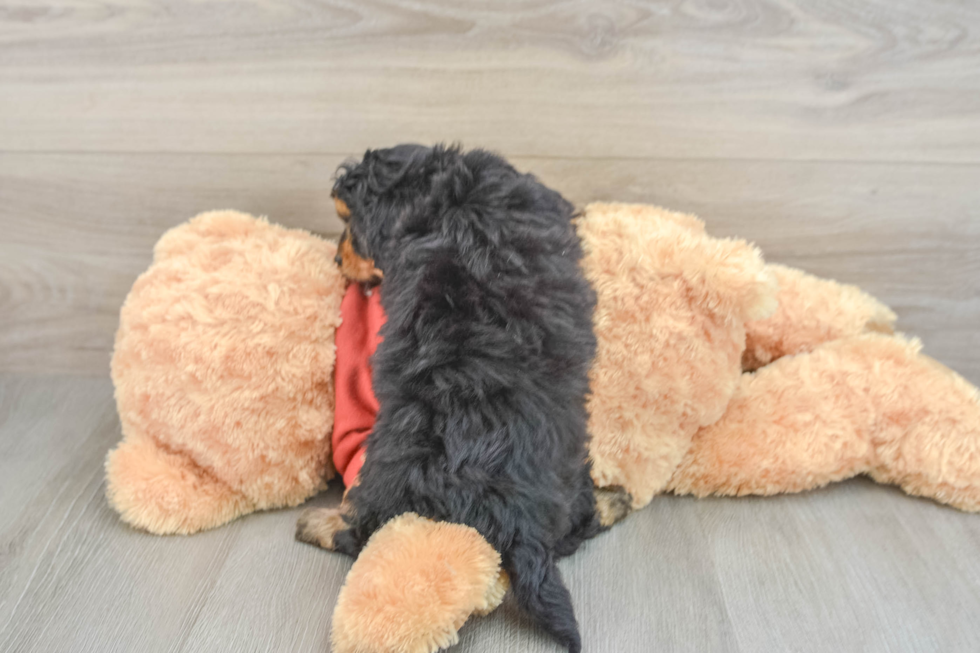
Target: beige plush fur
[[842, 398], [670, 320], [413, 586], [223, 374], [864, 404], [811, 311]]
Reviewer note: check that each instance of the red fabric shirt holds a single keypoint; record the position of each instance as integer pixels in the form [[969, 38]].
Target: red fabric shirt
[[356, 406]]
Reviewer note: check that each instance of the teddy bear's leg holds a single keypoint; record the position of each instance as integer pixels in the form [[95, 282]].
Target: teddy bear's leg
[[927, 434], [800, 423], [811, 311], [166, 493], [414, 585], [868, 404]]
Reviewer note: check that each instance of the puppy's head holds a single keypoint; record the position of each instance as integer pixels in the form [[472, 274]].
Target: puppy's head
[[371, 196]]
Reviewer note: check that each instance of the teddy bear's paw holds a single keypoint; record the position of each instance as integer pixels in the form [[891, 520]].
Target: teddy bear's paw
[[414, 585], [318, 526], [612, 504], [167, 492], [494, 595]]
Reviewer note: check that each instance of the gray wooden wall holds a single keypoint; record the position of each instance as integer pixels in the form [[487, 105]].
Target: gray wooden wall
[[842, 136]]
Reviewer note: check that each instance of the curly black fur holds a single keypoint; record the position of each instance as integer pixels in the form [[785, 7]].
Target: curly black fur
[[482, 373]]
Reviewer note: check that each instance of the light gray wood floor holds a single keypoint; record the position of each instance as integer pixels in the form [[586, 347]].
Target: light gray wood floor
[[854, 567], [843, 136]]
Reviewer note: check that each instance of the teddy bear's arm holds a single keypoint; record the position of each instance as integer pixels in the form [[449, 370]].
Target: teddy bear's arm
[[811, 311]]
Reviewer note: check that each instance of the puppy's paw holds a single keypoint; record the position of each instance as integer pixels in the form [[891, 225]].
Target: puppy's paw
[[318, 526], [612, 504]]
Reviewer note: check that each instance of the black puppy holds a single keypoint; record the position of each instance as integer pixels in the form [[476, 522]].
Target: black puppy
[[482, 373]]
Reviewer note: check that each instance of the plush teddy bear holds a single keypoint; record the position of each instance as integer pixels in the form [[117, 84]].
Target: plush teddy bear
[[715, 374], [223, 374]]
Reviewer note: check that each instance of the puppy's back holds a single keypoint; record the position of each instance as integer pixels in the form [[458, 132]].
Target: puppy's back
[[482, 375]]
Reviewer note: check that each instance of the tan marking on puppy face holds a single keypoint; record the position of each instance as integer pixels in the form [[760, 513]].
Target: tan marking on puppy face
[[356, 268], [342, 209]]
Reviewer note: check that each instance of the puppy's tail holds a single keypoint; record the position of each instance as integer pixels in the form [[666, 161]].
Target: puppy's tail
[[540, 592]]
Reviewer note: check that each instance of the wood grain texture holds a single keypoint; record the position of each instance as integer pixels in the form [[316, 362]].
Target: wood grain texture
[[79, 228], [788, 79], [853, 567], [74, 578], [843, 136]]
